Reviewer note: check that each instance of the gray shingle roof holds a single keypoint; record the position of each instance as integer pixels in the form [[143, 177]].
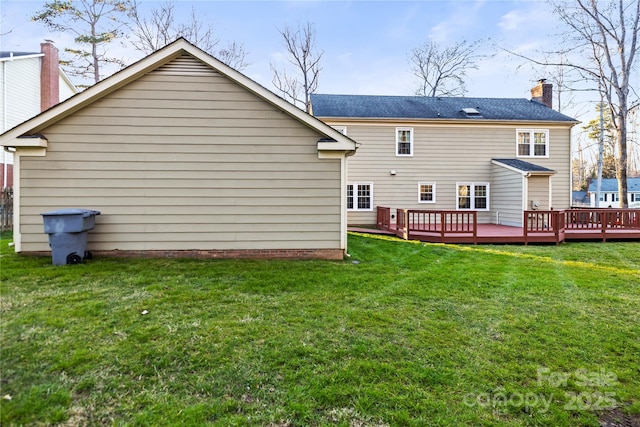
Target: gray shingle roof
[[610, 185], [523, 166], [420, 107]]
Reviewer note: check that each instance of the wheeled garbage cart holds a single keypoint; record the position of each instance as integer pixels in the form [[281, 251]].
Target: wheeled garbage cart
[[67, 230]]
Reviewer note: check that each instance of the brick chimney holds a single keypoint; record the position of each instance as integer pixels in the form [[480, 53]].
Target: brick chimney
[[49, 76], [543, 93]]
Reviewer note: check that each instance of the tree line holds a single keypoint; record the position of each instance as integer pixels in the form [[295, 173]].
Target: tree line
[[601, 43]]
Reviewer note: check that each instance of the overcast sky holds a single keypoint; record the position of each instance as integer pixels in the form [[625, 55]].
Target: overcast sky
[[365, 43]]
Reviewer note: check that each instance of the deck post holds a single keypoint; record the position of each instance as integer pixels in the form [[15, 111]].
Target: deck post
[[475, 227]]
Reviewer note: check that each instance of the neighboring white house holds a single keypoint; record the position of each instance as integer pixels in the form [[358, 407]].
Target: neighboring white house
[[184, 156], [609, 197], [496, 156], [30, 82]]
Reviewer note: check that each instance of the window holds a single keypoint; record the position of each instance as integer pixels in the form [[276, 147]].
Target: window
[[426, 192], [609, 197], [473, 196], [533, 142], [404, 141], [360, 196], [341, 129]]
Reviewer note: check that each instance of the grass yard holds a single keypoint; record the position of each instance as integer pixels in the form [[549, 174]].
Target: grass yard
[[400, 334]]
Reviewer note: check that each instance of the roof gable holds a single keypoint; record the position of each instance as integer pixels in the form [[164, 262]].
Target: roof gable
[[156, 61], [433, 108]]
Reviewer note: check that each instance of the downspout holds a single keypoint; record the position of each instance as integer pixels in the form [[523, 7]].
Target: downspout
[[343, 200]]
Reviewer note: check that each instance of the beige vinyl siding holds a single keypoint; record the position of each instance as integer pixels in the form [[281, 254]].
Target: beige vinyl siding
[[444, 154], [181, 159], [560, 161], [538, 191], [506, 195]]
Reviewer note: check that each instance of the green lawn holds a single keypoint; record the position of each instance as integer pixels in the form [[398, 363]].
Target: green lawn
[[399, 334]]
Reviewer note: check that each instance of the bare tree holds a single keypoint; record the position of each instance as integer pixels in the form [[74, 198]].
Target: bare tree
[[441, 71], [603, 36], [609, 32], [3, 21], [159, 28], [564, 82], [95, 23], [300, 45]]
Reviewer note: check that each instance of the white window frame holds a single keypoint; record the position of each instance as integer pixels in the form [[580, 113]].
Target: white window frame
[[356, 196], [341, 129], [433, 192], [398, 130], [472, 199], [532, 143]]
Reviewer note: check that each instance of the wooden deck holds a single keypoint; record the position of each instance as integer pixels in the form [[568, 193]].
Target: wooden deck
[[541, 226]]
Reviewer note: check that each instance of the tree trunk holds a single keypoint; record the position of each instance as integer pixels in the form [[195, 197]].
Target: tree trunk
[[621, 146], [94, 54]]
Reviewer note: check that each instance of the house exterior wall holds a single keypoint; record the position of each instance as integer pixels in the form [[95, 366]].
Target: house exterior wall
[[66, 89], [538, 191], [185, 159], [507, 192], [20, 85], [610, 199], [445, 154]]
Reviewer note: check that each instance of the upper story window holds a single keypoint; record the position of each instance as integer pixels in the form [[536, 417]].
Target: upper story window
[[533, 142], [426, 192], [360, 196], [404, 141], [473, 196]]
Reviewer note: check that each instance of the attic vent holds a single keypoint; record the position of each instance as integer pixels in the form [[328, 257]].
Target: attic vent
[[185, 65], [471, 112]]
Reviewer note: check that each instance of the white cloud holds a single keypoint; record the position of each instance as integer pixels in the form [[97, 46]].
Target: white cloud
[[512, 20]]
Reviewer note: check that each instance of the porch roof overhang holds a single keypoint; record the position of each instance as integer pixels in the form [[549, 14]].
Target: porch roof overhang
[[29, 141], [328, 147], [522, 167]]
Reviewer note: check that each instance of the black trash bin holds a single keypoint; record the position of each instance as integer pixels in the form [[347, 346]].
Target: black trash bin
[[67, 230]]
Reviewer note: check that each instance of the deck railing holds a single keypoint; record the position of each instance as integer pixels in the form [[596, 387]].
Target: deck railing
[[383, 221], [402, 223], [544, 223], [443, 223], [602, 220], [597, 220], [539, 226], [580, 219]]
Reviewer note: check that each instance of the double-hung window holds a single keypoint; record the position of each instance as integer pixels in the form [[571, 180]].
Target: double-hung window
[[426, 192], [473, 196], [404, 142], [532, 142], [360, 196]]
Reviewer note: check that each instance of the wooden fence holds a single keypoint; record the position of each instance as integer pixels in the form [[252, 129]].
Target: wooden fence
[[6, 209]]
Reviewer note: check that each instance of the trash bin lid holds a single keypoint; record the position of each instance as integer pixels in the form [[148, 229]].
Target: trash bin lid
[[72, 211]]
